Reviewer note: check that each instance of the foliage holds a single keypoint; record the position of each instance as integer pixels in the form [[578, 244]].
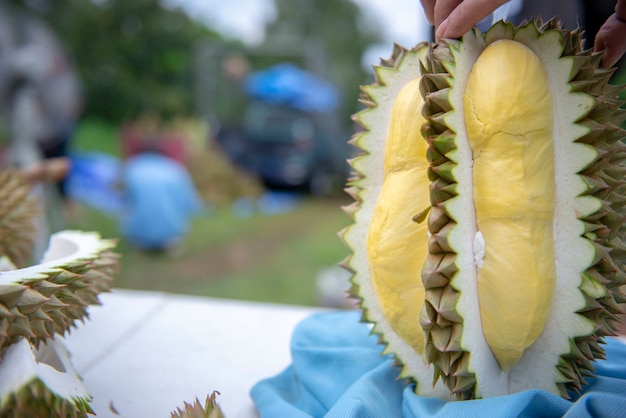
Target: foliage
[[325, 37], [331, 37], [96, 135], [138, 56], [133, 56]]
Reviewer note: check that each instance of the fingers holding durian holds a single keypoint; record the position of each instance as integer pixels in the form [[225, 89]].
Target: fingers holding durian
[[611, 38], [452, 18]]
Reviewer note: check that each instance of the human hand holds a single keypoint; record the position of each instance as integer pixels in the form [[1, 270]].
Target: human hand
[[51, 170], [611, 38], [452, 18]]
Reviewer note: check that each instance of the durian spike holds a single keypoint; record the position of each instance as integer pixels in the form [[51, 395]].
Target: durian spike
[[210, 409], [597, 126]]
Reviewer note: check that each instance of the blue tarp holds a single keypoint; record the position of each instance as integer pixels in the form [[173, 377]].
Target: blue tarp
[[288, 85]]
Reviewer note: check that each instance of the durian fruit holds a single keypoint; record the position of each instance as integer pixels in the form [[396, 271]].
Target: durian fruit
[[524, 257], [40, 301], [210, 409], [391, 192], [41, 382], [18, 207]]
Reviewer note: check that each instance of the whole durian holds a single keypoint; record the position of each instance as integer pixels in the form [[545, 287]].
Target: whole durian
[[489, 211]]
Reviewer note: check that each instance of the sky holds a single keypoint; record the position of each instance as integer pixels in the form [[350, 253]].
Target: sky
[[402, 21]]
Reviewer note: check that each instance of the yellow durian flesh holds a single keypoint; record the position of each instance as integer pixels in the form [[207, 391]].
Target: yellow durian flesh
[[508, 118], [396, 245]]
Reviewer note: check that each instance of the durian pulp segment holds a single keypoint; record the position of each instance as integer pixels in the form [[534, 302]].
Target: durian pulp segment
[[573, 255], [396, 245], [509, 123]]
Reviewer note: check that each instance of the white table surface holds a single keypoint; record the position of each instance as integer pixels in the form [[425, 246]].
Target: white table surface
[[146, 353]]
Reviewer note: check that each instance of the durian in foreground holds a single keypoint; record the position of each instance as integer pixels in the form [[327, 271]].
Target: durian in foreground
[[40, 382], [36, 303], [40, 301], [490, 256]]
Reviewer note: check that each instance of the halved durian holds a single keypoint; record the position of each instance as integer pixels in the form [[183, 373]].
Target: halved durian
[[40, 301], [392, 187], [526, 205]]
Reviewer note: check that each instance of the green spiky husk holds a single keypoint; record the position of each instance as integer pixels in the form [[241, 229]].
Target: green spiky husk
[[210, 409], [36, 400], [604, 228], [41, 382], [51, 301]]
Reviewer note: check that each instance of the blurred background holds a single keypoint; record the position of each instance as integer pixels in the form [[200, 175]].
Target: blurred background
[[209, 136]]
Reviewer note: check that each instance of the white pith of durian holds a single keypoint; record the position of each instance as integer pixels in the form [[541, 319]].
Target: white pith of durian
[[66, 247]]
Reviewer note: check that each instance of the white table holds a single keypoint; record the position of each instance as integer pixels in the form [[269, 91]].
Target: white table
[[146, 353]]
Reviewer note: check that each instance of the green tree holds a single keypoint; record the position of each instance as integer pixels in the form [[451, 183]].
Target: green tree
[[133, 56], [330, 37]]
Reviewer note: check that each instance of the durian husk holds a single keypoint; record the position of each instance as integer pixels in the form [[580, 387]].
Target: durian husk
[[210, 409], [41, 382], [49, 298], [604, 228], [18, 208]]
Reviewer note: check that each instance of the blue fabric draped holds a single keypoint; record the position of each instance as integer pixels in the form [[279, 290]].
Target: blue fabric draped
[[337, 370]]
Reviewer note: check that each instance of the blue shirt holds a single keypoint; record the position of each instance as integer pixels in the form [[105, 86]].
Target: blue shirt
[[159, 201]]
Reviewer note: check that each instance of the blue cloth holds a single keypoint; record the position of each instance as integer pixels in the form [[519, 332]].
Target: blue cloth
[[338, 371], [159, 201]]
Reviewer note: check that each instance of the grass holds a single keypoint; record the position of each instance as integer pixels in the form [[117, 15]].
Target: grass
[[270, 258], [97, 135]]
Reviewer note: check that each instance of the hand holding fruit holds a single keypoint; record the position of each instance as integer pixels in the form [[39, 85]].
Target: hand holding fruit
[[452, 18]]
